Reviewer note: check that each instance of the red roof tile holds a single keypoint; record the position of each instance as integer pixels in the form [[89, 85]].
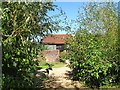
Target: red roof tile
[[55, 39]]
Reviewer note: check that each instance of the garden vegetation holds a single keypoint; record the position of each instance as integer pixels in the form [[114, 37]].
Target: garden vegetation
[[23, 25], [94, 51]]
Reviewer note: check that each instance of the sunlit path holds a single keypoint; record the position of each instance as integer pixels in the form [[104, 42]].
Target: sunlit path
[[61, 78]]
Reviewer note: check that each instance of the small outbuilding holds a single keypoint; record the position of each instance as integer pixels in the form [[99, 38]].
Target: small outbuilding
[[54, 44]]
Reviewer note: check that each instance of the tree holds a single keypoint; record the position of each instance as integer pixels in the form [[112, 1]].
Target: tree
[[93, 51], [22, 25]]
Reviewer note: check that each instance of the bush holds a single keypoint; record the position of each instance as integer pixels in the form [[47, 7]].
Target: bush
[[91, 59], [18, 65], [94, 50], [62, 57], [21, 41]]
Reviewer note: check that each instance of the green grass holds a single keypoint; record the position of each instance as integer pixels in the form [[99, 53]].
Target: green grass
[[111, 86], [53, 64], [58, 64]]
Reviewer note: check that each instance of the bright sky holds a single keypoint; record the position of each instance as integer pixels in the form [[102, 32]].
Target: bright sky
[[86, 0], [71, 10]]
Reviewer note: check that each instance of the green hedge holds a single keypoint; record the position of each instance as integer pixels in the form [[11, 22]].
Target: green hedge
[[93, 60]]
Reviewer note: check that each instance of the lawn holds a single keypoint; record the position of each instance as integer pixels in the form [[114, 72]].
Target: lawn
[[111, 86], [58, 64], [51, 64]]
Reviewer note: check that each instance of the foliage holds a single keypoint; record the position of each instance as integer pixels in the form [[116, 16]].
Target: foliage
[[56, 64], [23, 25], [93, 51], [62, 56], [45, 66]]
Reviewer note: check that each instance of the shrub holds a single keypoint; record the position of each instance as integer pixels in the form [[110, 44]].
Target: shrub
[[22, 29], [88, 60], [62, 57], [93, 51]]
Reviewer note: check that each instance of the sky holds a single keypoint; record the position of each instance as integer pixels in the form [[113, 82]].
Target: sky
[[85, 0], [71, 10]]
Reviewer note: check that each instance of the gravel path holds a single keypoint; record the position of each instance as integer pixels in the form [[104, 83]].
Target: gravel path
[[60, 78]]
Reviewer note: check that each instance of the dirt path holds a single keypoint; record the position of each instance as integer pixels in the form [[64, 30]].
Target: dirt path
[[60, 78]]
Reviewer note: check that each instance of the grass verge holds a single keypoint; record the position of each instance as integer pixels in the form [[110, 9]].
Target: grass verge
[[52, 64]]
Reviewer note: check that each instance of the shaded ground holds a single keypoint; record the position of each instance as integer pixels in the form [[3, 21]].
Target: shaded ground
[[61, 78]]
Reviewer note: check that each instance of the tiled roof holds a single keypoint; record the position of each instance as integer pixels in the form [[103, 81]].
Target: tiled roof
[[55, 39]]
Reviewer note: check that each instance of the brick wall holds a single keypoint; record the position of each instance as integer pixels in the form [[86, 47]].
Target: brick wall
[[51, 55]]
